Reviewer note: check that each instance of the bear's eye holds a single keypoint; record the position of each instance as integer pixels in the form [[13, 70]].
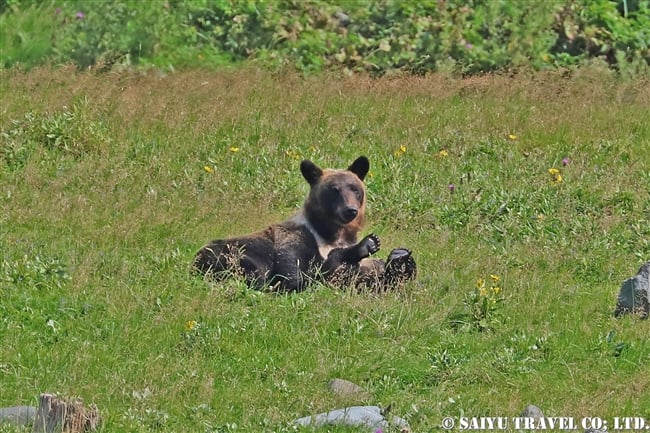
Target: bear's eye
[[331, 193], [356, 191]]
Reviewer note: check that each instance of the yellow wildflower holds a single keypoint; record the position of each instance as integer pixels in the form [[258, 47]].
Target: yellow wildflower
[[292, 154], [495, 278], [556, 177], [400, 151], [496, 290], [480, 283], [234, 149], [512, 137], [208, 169], [190, 325], [443, 153], [483, 291]]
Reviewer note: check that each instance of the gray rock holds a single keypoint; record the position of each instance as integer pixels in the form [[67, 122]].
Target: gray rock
[[18, 415], [532, 411], [358, 416], [634, 296], [346, 389]]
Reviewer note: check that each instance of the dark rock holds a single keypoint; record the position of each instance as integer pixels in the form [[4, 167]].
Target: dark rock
[[343, 18], [634, 296]]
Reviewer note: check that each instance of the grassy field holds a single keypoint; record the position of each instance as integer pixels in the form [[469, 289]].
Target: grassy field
[[109, 183]]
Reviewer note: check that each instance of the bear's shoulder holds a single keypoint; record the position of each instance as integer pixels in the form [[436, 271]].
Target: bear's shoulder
[[295, 229]]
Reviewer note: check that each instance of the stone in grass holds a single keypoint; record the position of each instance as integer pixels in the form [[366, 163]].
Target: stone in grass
[[634, 296], [346, 389], [532, 411], [357, 416], [18, 415]]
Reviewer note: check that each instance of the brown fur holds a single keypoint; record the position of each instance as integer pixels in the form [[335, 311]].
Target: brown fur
[[320, 242]]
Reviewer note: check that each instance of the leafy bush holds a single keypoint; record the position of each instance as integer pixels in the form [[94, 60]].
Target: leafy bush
[[619, 32], [417, 36], [25, 34]]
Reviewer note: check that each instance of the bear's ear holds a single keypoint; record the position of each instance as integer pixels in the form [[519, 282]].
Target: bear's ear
[[360, 167], [310, 172]]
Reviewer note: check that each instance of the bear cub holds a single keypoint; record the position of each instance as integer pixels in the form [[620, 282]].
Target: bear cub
[[318, 243]]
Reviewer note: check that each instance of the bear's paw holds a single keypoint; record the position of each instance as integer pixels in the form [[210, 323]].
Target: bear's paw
[[369, 245], [400, 267]]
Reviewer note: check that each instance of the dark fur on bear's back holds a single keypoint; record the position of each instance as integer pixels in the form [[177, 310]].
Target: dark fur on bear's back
[[320, 242]]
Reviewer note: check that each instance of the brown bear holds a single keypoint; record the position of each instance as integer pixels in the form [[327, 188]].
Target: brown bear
[[318, 243]]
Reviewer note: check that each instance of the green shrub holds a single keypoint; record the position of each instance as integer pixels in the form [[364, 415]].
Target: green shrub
[[25, 34], [410, 35], [618, 32]]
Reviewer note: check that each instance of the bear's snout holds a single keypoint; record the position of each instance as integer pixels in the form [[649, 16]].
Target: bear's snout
[[350, 213]]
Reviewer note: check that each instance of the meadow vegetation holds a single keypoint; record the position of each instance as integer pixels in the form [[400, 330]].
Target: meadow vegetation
[[525, 198], [376, 37]]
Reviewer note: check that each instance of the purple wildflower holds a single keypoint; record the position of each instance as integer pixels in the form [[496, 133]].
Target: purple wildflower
[[565, 161], [80, 15], [469, 46], [57, 11], [451, 187]]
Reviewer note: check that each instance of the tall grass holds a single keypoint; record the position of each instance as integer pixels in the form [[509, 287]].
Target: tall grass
[[110, 183]]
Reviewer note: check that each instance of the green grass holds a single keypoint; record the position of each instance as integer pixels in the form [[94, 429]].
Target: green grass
[[26, 38], [105, 199]]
